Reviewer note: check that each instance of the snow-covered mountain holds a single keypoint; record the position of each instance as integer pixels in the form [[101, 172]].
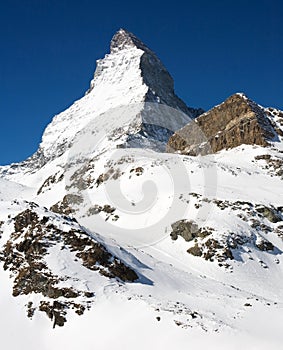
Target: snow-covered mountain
[[114, 239], [131, 75]]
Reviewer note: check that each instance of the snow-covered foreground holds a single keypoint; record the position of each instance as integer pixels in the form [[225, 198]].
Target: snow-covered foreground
[[121, 324], [128, 316], [179, 300]]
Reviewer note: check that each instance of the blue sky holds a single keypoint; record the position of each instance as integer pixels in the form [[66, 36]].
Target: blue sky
[[211, 48]]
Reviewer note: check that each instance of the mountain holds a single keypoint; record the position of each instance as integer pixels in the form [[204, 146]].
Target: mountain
[[141, 222], [236, 121], [142, 81]]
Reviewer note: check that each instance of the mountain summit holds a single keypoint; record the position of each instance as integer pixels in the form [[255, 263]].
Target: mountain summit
[[128, 77], [124, 39]]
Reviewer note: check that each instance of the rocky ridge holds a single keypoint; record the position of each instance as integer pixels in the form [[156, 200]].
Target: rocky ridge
[[235, 122]]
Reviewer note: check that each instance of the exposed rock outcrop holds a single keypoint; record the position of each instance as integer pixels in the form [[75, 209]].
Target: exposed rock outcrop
[[236, 121], [256, 223], [26, 254]]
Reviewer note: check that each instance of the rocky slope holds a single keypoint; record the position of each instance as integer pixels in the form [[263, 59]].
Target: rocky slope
[[236, 121], [28, 254]]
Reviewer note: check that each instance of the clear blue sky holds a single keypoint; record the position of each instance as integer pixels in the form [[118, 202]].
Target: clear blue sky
[[211, 48]]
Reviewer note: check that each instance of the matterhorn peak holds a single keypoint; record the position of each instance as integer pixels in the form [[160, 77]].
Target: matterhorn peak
[[124, 39], [130, 75]]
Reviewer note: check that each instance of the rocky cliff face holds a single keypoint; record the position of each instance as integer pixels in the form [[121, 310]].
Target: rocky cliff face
[[155, 76], [236, 121]]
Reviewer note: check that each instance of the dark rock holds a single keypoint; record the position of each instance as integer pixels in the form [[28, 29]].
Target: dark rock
[[96, 209], [50, 181], [30, 310], [25, 219], [138, 171], [55, 312], [123, 272], [65, 206], [270, 214], [188, 230], [265, 245], [195, 250], [264, 156], [108, 209], [1, 224]]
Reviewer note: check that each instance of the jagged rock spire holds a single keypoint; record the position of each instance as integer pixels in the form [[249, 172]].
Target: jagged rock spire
[[124, 39]]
